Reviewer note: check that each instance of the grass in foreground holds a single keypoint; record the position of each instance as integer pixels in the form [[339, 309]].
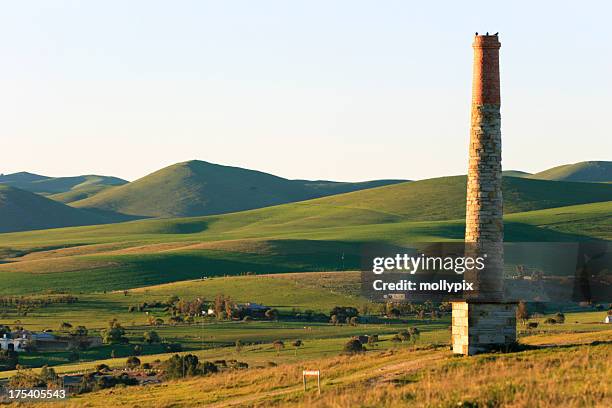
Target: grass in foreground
[[574, 375]]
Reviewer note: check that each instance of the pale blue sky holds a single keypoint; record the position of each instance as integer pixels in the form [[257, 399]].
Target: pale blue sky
[[344, 90]]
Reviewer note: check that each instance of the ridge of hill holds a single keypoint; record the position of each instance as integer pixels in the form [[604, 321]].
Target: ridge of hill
[[197, 188], [22, 210], [586, 171], [36, 183]]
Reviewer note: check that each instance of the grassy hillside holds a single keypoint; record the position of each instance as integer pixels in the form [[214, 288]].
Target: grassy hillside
[[569, 374], [22, 210], [589, 171], [79, 193], [315, 235], [53, 185], [200, 188], [110, 257], [515, 173]]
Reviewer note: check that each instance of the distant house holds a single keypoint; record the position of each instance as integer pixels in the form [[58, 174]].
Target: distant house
[[16, 341], [21, 340], [608, 319]]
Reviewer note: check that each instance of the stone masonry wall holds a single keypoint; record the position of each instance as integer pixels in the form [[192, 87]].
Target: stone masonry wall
[[480, 327]]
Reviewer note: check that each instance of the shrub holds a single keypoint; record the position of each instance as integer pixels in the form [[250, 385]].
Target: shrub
[[102, 367], [353, 346], [151, 336], [207, 367], [560, 318], [550, 320], [132, 362]]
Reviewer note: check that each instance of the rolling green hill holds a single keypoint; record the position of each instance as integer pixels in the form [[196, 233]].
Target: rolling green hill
[[588, 171], [54, 185], [22, 210], [320, 234], [201, 188]]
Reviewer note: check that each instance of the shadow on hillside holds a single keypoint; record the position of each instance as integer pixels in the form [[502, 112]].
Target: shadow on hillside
[[519, 232]]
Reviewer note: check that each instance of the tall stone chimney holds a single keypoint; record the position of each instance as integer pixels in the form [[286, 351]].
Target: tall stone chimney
[[484, 321]]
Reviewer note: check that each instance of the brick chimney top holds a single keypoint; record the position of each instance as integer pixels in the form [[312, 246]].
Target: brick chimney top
[[486, 41]]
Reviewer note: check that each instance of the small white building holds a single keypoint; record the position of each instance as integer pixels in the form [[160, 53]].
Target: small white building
[[608, 319], [14, 343]]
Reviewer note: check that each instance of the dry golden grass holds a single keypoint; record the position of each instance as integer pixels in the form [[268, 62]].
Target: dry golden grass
[[565, 376], [64, 264], [71, 251]]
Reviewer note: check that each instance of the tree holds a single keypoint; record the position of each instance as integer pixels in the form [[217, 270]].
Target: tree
[[48, 375], [404, 335], [229, 307], [333, 320], [353, 321], [297, 344], [181, 366], [132, 362], [151, 337], [238, 346], [137, 350], [114, 333], [353, 346], [560, 318], [278, 345], [8, 360], [522, 313], [219, 302], [113, 353]]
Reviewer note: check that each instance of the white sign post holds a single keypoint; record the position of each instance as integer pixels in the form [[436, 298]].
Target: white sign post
[[312, 373]]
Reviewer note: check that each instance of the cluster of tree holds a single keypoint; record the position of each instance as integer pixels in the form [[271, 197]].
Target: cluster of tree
[[47, 378], [97, 381], [24, 304], [344, 314], [223, 307], [151, 337], [559, 318], [79, 331], [114, 334], [410, 335], [188, 365], [523, 315]]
